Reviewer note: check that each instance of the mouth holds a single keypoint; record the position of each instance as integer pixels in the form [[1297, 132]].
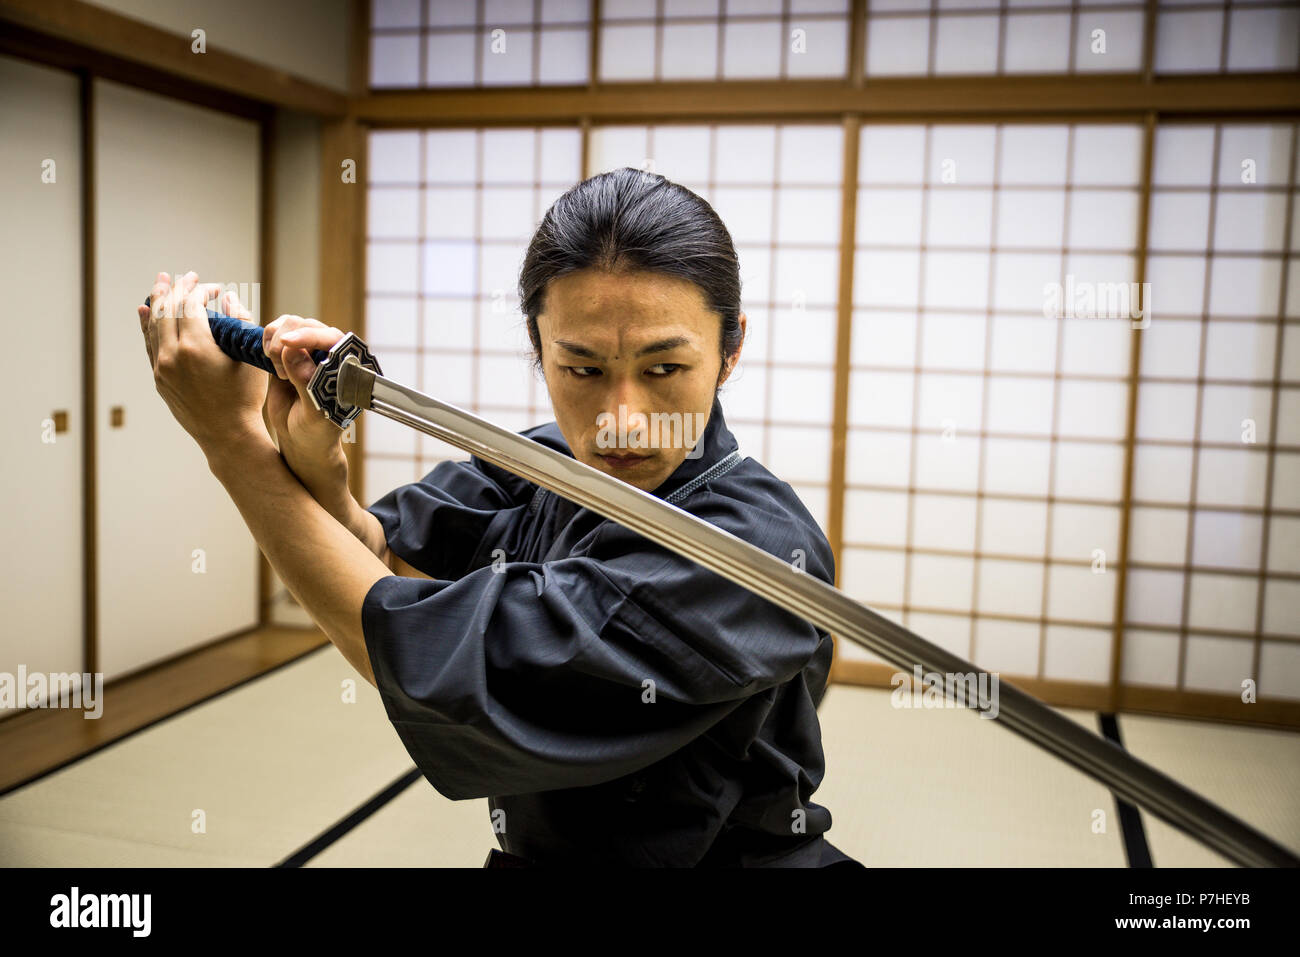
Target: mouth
[[623, 461]]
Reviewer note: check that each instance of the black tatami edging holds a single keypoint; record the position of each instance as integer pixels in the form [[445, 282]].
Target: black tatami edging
[[1130, 819], [319, 843]]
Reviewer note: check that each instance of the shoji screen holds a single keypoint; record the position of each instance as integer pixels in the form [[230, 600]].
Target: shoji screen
[[447, 43], [1208, 36], [985, 447], [777, 188], [921, 37], [450, 216], [694, 40], [1214, 580]]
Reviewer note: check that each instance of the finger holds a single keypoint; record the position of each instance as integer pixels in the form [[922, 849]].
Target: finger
[[194, 320], [162, 287], [168, 331], [268, 332], [184, 286], [280, 399], [231, 306], [158, 300], [179, 291], [273, 341], [299, 345], [311, 338], [144, 313], [301, 367]]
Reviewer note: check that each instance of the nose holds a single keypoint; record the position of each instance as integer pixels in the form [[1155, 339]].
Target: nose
[[630, 404]]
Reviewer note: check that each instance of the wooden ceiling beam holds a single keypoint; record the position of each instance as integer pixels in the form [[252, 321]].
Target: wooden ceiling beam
[[140, 46], [894, 97]]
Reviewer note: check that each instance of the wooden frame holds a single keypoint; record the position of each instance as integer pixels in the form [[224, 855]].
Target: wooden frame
[[1130, 428], [901, 99], [89, 438]]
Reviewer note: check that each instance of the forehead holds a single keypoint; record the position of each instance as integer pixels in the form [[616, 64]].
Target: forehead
[[624, 308]]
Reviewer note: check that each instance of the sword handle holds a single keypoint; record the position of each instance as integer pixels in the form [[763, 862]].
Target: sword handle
[[242, 340]]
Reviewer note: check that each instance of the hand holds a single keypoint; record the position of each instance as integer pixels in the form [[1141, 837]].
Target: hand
[[311, 444], [214, 397]]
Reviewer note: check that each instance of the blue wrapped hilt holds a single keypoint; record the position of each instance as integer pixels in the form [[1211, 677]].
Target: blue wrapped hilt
[[242, 340]]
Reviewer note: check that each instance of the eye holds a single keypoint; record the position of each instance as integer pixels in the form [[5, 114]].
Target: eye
[[668, 368], [582, 372]]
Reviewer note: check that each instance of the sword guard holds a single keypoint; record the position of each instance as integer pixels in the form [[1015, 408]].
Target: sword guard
[[323, 387]]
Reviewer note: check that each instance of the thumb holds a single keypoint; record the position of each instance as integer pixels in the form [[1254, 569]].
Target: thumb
[[299, 365]]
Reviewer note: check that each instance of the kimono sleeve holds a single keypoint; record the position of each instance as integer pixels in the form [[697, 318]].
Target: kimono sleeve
[[437, 524], [530, 677]]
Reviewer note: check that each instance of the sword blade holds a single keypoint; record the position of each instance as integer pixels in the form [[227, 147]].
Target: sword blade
[[808, 597]]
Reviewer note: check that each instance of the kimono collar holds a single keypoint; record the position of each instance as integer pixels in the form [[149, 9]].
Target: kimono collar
[[718, 447]]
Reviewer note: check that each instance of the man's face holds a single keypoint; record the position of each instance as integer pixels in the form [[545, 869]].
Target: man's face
[[641, 341]]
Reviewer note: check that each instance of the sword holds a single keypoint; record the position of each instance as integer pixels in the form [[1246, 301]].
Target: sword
[[348, 380]]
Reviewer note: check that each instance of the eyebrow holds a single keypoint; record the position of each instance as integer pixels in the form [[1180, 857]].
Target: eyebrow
[[662, 345]]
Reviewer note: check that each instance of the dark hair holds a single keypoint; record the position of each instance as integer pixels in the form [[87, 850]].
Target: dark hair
[[630, 220]]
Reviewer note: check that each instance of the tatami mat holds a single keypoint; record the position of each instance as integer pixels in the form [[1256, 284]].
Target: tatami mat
[[281, 760], [419, 828], [931, 787], [945, 787], [1253, 773], [271, 764]]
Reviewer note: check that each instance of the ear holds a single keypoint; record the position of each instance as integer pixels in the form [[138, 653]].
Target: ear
[[729, 366]]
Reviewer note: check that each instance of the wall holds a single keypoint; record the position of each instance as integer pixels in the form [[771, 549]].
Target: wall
[[308, 38]]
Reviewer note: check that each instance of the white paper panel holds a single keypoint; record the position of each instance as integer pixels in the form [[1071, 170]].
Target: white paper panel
[[1217, 664], [1279, 667], [966, 38], [944, 522], [940, 581], [1223, 539], [1077, 654], [1155, 597], [1222, 601], [873, 576], [1011, 587], [947, 464], [1013, 528], [1150, 658], [1007, 647]]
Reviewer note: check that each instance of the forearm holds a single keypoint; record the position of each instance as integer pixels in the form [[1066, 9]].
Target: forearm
[[328, 485], [324, 565]]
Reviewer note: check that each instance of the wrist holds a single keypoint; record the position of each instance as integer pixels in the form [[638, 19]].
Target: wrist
[[327, 480], [235, 446]]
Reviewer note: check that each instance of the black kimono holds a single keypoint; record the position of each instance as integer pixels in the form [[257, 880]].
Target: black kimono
[[619, 704]]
